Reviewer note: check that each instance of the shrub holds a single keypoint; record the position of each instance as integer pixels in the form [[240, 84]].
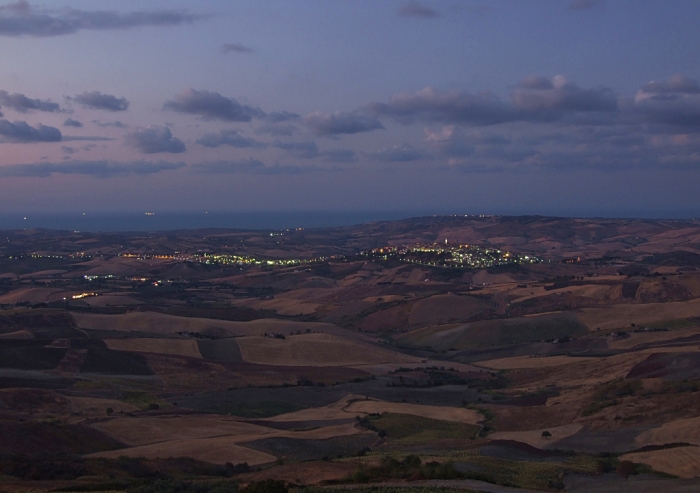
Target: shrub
[[625, 468], [267, 486]]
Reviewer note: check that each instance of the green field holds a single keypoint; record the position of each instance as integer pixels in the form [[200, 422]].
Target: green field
[[415, 430]]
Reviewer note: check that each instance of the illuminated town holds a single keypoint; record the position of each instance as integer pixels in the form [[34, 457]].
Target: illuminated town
[[447, 255]]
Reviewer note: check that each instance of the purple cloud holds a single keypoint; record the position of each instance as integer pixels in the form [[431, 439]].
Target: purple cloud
[[154, 139]]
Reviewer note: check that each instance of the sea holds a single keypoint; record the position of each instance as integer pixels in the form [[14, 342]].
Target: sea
[[167, 221], [267, 220]]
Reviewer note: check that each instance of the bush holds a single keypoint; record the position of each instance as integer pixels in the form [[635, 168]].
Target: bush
[[625, 468], [267, 486], [173, 486], [411, 468]]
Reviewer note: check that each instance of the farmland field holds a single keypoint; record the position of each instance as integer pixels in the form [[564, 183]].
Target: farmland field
[[373, 364]]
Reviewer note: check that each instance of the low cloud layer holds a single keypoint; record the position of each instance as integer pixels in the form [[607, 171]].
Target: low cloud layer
[[22, 132], [114, 124], [397, 154], [341, 123], [536, 99], [675, 102], [211, 105], [540, 94], [70, 122], [22, 104], [154, 139], [22, 19], [100, 169], [307, 149], [230, 138], [248, 166], [98, 101]]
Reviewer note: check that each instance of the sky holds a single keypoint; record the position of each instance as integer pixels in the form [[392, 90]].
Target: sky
[[566, 107]]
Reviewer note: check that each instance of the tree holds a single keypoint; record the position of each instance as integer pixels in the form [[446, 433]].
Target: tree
[[546, 434], [267, 486], [625, 468]]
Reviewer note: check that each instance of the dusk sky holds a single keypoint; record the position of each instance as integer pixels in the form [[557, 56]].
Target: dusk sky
[[539, 106]]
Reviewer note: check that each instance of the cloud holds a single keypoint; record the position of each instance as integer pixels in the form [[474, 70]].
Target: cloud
[[450, 141], [541, 94], [281, 116], [248, 166], [211, 105], [676, 84], [22, 132], [115, 124], [415, 9], [100, 169], [397, 154], [307, 149], [72, 123], [98, 101], [674, 102], [68, 150], [154, 139], [21, 19], [341, 123], [95, 138], [584, 4], [536, 100], [446, 107], [235, 48], [22, 104], [229, 137]]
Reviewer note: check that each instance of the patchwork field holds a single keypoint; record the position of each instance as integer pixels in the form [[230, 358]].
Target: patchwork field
[[434, 412], [355, 405], [535, 437], [213, 450], [376, 367], [683, 462], [207, 438], [315, 350], [161, 323], [187, 348], [30, 295], [678, 431], [146, 430], [622, 316], [531, 362], [495, 332]]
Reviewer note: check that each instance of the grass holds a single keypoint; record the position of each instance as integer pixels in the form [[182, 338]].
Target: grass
[[607, 395], [680, 386], [144, 400], [414, 430], [518, 474], [532, 475], [385, 489]]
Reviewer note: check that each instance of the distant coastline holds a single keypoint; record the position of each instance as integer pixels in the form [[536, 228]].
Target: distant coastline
[[264, 220], [165, 221]]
